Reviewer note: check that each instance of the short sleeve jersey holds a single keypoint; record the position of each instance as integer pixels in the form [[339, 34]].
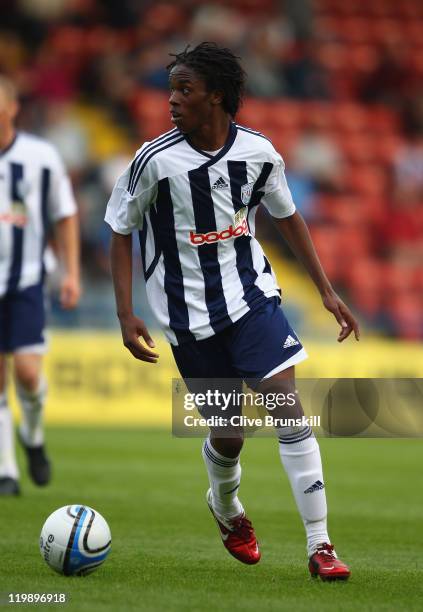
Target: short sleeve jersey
[[195, 216], [34, 191]]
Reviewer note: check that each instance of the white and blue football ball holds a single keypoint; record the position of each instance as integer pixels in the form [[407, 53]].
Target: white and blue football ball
[[75, 540]]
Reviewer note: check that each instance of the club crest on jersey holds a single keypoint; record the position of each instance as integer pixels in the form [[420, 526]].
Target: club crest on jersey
[[246, 192]]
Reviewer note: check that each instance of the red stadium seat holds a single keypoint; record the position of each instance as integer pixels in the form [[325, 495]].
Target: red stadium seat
[[399, 278], [358, 148], [284, 141], [364, 281], [327, 243], [150, 109], [382, 119], [256, 114], [368, 181], [332, 55], [356, 30], [350, 117], [406, 310], [411, 9], [342, 210], [387, 147], [286, 114], [387, 31]]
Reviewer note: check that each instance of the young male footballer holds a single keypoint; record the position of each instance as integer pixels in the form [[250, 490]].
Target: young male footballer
[[192, 194], [34, 192]]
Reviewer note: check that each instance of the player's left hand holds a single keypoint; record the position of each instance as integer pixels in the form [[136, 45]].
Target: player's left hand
[[70, 292], [342, 314]]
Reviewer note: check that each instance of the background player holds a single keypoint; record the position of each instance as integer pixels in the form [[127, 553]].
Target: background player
[[194, 193], [34, 191]]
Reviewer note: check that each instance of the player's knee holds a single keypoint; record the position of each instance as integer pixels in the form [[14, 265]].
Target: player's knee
[[281, 398], [228, 447], [28, 378]]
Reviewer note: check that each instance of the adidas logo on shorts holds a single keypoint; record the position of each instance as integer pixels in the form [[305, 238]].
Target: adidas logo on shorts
[[290, 341], [220, 184], [315, 487]]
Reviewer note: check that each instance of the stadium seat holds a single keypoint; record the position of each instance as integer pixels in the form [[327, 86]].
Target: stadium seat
[[350, 117], [363, 58], [286, 114], [150, 110], [370, 181], [364, 282], [387, 147], [405, 310], [355, 30], [358, 148], [345, 210], [382, 119], [327, 243]]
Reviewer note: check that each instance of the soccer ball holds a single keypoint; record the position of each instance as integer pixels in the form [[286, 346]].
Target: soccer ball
[[75, 540]]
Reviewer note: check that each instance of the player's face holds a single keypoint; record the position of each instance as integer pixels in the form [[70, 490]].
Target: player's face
[[191, 105], [8, 110]]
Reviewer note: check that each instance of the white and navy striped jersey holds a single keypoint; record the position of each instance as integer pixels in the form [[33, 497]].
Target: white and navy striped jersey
[[195, 214], [34, 191]]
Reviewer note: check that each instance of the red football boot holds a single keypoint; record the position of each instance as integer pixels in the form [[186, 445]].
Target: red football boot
[[238, 536], [325, 563]]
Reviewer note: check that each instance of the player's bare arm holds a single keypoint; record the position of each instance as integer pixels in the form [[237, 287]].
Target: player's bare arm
[[132, 327], [296, 233], [67, 233]]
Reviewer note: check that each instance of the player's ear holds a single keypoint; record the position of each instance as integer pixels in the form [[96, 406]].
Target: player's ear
[[216, 97]]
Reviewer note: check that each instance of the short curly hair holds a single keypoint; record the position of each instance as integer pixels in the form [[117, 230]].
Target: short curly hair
[[219, 68]]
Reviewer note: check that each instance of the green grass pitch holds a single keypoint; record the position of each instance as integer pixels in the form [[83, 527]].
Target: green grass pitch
[[167, 554]]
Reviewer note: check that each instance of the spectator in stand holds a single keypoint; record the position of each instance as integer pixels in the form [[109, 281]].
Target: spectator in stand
[[267, 45], [305, 78], [408, 172], [67, 134], [316, 155], [388, 82]]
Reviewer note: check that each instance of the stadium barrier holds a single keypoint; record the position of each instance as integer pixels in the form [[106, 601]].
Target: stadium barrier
[[94, 380]]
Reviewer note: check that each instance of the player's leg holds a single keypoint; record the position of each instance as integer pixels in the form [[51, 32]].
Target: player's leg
[[265, 349], [31, 390], [28, 346], [203, 365], [224, 472], [222, 460], [300, 456], [9, 474]]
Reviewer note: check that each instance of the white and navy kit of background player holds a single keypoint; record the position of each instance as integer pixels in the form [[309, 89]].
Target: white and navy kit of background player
[[34, 192], [208, 281]]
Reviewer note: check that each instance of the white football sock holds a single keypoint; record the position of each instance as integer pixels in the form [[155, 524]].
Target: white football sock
[[32, 404], [224, 477], [8, 465], [300, 456]]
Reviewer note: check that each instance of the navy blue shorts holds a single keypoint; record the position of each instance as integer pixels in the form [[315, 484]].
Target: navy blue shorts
[[22, 320], [256, 346]]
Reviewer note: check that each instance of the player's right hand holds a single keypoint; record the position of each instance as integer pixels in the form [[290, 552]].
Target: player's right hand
[[133, 329]]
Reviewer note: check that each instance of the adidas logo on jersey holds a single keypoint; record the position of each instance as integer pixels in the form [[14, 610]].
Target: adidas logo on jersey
[[315, 487], [290, 341], [220, 183]]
